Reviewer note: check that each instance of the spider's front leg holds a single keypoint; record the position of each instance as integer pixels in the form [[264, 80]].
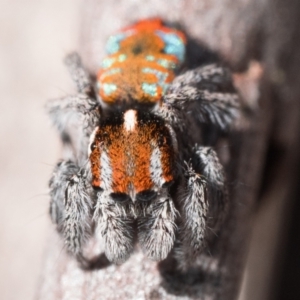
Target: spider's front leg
[[204, 203], [71, 205], [114, 218], [157, 226]]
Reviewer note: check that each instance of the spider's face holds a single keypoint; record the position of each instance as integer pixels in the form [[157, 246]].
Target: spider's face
[[132, 156]]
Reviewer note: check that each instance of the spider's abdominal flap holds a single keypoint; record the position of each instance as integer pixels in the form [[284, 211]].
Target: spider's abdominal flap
[[131, 157]]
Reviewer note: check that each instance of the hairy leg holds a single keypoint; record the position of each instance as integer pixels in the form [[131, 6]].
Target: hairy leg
[[71, 205], [207, 161], [77, 108], [156, 226], [114, 227], [76, 116], [194, 211], [203, 203], [78, 73], [206, 94], [81, 106], [212, 77]]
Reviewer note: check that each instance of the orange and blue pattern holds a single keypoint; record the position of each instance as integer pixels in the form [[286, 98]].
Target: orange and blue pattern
[[141, 63]]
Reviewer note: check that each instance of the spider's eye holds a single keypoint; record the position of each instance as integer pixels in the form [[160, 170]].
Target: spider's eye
[[93, 146], [97, 188], [146, 196], [168, 184], [119, 197]]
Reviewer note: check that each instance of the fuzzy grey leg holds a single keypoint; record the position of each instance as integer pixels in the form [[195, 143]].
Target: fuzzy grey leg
[[71, 205], [156, 226], [62, 172], [82, 107], [213, 77], [172, 114], [114, 227], [205, 94], [79, 109], [75, 117], [206, 160], [78, 73], [204, 204], [78, 207], [206, 106], [194, 212]]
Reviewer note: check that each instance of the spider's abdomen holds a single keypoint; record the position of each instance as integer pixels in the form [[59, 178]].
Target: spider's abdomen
[[132, 152], [141, 63]]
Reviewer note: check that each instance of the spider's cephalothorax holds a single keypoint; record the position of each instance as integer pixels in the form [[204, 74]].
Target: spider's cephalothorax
[[131, 153], [132, 166]]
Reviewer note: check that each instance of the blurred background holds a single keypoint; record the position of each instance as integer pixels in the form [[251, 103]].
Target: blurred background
[[34, 38]]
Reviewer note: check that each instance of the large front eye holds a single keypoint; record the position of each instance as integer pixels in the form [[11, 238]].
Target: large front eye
[[120, 197], [92, 146], [168, 184], [146, 196], [97, 188]]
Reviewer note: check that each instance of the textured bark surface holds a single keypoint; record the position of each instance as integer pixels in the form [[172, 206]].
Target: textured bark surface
[[262, 153]]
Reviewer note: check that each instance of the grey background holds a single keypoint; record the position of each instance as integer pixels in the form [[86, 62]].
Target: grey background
[[34, 37]]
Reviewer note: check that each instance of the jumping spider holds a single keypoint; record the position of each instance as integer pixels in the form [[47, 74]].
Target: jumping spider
[[132, 171]]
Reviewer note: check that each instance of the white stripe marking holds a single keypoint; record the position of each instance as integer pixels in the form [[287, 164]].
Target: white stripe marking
[[156, 167], [106, 171], [130, 120], [92, 138]]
